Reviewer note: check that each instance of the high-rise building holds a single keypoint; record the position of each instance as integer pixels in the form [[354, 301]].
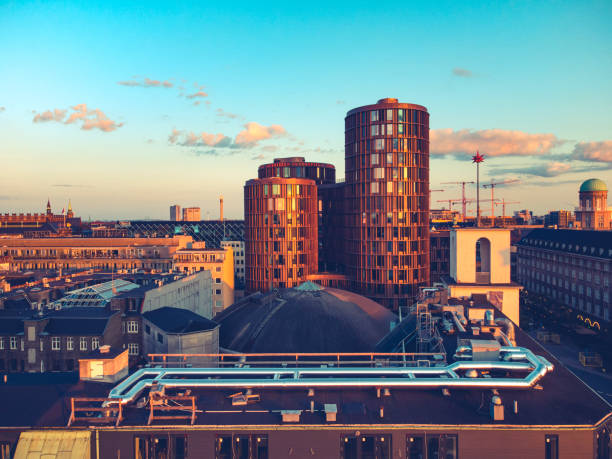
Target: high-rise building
[[191, 214], [175, 213], [280, 232], [593, 212], [387, 200]]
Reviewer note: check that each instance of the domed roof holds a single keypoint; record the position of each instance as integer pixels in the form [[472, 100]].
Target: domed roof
[[593, 185], [304, 319]]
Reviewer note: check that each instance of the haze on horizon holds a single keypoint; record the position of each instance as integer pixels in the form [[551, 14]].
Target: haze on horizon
[[127, 109]]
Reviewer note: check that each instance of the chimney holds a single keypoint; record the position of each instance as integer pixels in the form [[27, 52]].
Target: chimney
[[221, 208], [105, 349]]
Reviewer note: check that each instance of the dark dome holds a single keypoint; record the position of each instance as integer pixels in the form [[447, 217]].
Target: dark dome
[[304, 319]]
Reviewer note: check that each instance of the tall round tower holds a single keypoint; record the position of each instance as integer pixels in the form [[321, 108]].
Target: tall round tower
[[387, 200], [280, 220]]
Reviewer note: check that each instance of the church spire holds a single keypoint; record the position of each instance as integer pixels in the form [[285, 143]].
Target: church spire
[[48, 206]]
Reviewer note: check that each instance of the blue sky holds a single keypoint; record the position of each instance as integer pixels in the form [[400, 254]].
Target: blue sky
[[209, 91]]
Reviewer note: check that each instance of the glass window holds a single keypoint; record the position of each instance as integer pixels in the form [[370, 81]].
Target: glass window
[[55, 343], [380, 144], [366, 447], [374, 129], [552, 447], [265, 189], [69, 343], [133, 349], [95, 343], [83, 344], [374, 115], [400, 114], [286, 172], [132, 326], [389, 114], [379, 173], [389, 129], [415, 447], [389, 158], [390, 187], [374, 159], [374, 187], [275, 189]]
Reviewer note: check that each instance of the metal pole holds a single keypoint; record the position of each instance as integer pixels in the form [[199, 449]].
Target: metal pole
[[478, 194]]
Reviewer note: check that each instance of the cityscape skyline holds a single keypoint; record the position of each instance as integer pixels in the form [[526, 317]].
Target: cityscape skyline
[[156, 124]]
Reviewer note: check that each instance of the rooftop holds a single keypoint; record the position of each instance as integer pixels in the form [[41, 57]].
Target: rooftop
[[583, 242], [177, 320]]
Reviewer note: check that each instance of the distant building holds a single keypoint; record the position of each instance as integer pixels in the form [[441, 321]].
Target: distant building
[[238, 248], [570, 267], [175, 213], [593, 213], [102, 253], [220, 263], [439, 255], [41, 224], [560, 219], [191, 214], [523, 215]]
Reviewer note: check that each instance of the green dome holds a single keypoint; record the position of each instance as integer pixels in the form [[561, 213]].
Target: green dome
[[593, 185]]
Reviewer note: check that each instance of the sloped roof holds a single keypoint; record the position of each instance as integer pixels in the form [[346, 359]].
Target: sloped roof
[[177, 320]]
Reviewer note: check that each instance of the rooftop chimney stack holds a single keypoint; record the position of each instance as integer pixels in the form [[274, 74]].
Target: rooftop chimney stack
[[221, 208]]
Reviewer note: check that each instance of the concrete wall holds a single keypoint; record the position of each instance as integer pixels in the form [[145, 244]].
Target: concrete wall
[[203, 342], [510, 305], [463, 254], [192, 292]]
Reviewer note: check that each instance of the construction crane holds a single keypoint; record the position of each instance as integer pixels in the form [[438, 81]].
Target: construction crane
[[463, 200], [503, 203], [451, 202], [492, 185]]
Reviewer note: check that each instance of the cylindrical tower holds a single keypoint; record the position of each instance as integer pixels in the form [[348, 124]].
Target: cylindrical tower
[[297, 167], [280, 219], [387, 200]]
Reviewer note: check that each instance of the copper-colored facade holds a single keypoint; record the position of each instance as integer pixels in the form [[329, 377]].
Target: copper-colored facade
[[387, 200], [298, 167], [280, 232]]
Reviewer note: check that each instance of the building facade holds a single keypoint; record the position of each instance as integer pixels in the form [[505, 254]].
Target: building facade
[[281, 232], [439, 255], [560, 219], [571, 267], [175, 213], [387, 200], [238, 248], [593, 213], [220, 263], [191, 214], [99, 253]]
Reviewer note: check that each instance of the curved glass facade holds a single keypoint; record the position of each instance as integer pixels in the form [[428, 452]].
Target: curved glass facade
[[387, 200], [280, 232]]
